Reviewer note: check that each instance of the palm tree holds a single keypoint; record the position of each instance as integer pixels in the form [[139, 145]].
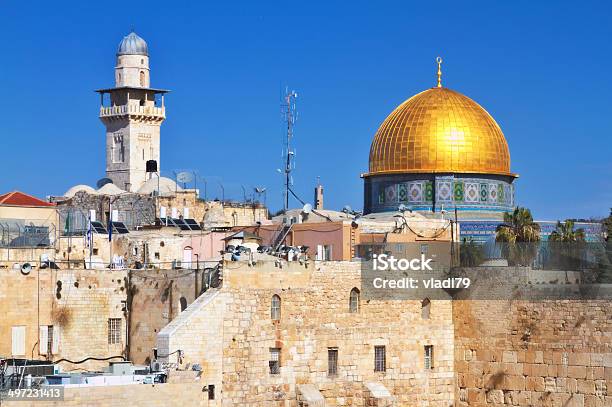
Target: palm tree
[[565, 232], [470, 253], [566, 246], [519, 233]]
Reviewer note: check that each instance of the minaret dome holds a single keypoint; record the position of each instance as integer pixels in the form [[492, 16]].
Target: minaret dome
[[132, 62]]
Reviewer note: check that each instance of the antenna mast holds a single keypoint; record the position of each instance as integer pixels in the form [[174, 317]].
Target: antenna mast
[[290, 116]]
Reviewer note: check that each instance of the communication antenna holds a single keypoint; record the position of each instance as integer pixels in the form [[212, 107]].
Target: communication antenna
[[184, 177], [290, 117]]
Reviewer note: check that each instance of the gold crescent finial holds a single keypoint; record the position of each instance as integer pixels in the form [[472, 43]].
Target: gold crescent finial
[[439, 61]]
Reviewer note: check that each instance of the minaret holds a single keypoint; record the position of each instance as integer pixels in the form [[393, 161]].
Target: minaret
[[133, 114]]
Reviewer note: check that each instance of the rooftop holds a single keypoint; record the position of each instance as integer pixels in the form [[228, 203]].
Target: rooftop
[[17, 198]]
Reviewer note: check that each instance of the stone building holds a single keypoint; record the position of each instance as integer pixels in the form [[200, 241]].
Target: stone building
[[132, 117], [270, 334]]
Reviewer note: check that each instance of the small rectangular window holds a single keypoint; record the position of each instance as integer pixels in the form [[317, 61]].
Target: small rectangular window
[[114, 331], [50, 340], [429, 357], [380, 359], [328, 252], [211, 391], [274, 360], [332, 361], [118, 150]]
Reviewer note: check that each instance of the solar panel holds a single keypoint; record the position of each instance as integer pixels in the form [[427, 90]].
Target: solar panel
[[193, 225], [120, 228], [98, 227], [166, 221], [181, 224]]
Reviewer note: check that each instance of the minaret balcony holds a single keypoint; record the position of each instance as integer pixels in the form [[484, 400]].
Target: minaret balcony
[[148, 112]]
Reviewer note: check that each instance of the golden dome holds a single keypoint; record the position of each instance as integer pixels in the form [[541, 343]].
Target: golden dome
[[439, 131]]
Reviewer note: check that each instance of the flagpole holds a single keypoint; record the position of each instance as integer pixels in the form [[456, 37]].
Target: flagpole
[[110, 230], [90, 239]]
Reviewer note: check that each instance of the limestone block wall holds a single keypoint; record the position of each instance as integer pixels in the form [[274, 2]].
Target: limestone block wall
[[145, 395], [233, 214], [77, 303], [547, 353], [157, 297], [314, 317]]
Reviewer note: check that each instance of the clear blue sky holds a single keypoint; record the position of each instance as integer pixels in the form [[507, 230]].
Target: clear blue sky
[[542, 69]]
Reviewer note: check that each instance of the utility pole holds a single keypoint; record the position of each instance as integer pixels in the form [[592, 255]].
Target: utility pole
[[290, 118]]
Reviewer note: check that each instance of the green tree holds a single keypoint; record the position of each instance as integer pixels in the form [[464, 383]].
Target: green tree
[[565, 232], [566, 246], [604, 255], [470, 253], [519, 235]]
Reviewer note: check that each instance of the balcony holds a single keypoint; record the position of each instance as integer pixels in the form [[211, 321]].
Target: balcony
[[133, 110]]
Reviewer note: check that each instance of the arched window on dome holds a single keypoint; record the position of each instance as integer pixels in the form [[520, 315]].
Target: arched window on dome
[[275, 308], [354, 300], [425, 308]]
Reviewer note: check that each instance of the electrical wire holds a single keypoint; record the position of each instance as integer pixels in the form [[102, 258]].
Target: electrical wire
[[78, 362]]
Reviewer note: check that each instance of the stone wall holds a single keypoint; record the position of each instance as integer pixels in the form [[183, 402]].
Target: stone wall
[[547, 353], [77, 303], [232, 330], [149, 395], [156, 299]]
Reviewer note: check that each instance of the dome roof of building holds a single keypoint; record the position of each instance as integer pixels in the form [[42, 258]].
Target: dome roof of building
[[439, 131], [78, 188], [132, 44], [110, 189], [167, 186]]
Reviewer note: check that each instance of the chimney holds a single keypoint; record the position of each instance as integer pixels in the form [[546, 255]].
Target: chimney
[[318, 196]]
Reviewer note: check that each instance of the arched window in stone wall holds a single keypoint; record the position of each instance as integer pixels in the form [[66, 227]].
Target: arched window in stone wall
[[183, 303], [354, 300], [275, 308], [425, 308], [142, 78]]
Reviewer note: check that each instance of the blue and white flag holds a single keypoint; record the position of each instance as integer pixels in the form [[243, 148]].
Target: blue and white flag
[[89, 233]]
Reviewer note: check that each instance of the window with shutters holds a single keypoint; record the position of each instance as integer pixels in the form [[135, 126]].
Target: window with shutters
[[324, 252], [18, 341], [114, 331]]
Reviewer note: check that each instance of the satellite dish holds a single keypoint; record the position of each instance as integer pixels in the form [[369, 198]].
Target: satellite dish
[[347, 209], [184, 177], [260, 190], [103, 181], [26, 268], [402, 208], [307, 208]]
